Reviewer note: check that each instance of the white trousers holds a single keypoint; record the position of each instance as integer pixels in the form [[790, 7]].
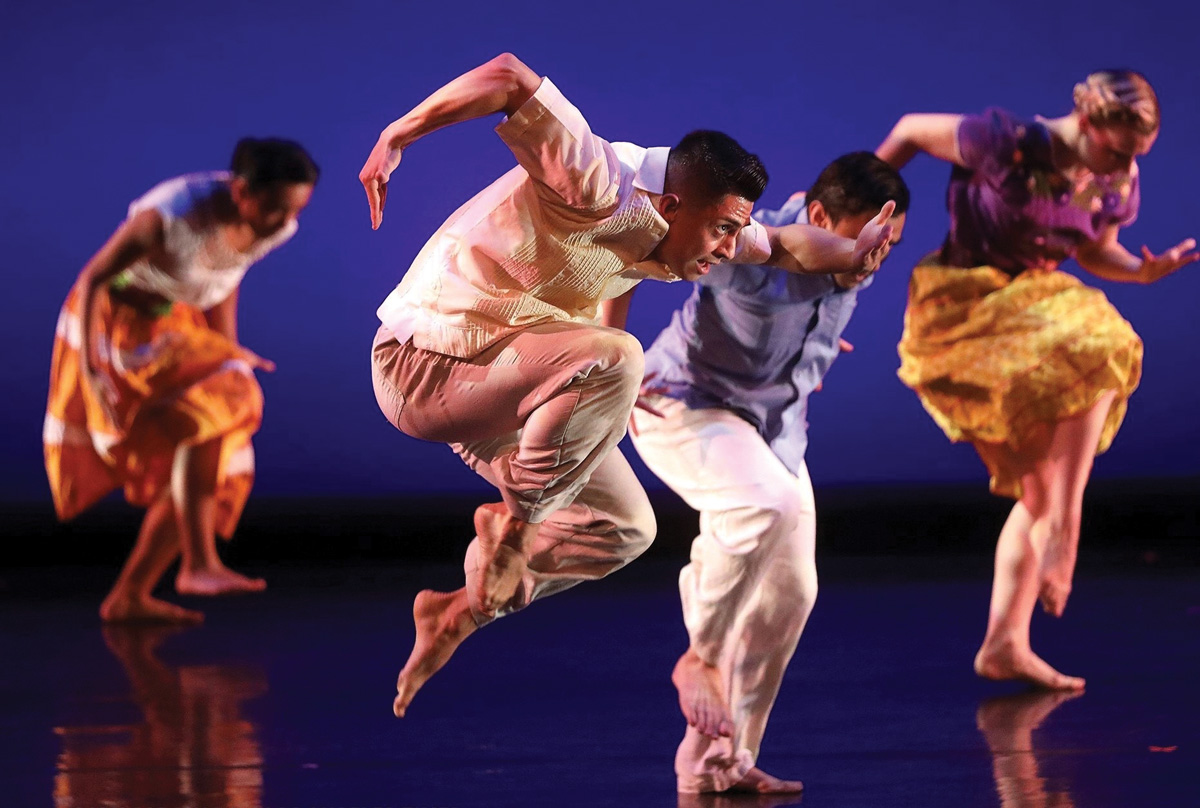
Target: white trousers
[[752, 580], [538, 415]]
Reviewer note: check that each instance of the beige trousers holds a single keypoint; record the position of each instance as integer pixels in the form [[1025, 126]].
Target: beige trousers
[[538, 415]]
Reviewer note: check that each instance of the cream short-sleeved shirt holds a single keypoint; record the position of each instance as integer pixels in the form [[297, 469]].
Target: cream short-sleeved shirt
[[571, 225]]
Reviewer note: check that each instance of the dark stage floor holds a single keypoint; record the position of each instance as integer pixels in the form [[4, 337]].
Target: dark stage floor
[[284, 699]]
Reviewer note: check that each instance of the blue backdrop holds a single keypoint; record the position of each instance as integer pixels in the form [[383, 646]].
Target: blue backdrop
[[103, 100]]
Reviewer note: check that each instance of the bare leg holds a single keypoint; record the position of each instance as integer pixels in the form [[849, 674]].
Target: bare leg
[[1006, 652], [156, 548], [1073, 449], [443, 620], [1035, 556], [193, 490], [504, 543], [700, 699]]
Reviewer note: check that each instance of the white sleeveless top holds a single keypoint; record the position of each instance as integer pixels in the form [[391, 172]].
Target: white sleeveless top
[[200, 267]]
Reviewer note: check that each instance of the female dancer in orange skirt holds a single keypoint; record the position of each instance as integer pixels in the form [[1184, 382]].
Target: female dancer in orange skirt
[[149, 388], [1019, 358]]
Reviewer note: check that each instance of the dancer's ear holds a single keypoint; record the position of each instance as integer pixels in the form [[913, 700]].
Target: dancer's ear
[[668, 206], [819, 217], [239, 189]]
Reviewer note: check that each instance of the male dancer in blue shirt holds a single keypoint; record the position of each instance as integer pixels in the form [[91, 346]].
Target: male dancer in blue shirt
[[722, 422]]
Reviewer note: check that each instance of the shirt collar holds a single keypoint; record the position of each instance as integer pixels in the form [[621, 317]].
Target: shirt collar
[[651, 172]]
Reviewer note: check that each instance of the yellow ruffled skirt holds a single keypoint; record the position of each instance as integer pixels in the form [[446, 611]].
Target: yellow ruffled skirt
[[994, 358], [174, 381]]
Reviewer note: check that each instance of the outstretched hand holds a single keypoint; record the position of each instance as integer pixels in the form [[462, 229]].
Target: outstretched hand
[[376, 172], [257, 362], [1158, 266], [873, 243]]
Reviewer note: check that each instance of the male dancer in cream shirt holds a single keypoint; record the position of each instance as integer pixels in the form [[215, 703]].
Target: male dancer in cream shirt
[[490, 343]]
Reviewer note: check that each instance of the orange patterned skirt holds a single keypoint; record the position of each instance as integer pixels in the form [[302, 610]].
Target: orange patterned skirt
[[174, 381], [994, 358]]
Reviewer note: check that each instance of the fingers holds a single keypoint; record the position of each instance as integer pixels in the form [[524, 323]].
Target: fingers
[[257, 362], [375, 195], [883, 245], [1178, 256], [1182, 253], [844, 346], [886, 212]]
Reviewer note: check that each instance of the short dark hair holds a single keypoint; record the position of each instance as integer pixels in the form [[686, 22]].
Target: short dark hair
[[714, 164], [264, 162], [857, 183]]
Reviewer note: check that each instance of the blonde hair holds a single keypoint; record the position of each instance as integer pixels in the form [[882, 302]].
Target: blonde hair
[[1118, 97]]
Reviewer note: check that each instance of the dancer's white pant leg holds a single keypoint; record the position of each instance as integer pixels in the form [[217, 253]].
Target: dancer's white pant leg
[[752, 581]]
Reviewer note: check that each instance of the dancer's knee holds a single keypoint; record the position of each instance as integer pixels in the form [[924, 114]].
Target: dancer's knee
[[793, 576], [761, 526], [638, 528], [621, 357]]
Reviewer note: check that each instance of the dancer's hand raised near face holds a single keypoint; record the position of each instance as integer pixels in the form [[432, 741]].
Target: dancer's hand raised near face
[[375, 175], [874, 242]]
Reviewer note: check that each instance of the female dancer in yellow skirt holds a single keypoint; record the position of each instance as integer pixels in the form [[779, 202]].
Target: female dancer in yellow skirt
[[1019, 358], [149, 388]]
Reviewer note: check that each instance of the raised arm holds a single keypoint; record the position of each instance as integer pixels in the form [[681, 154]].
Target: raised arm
[[935, 134], [500, 85], [1106, 258], [807, 249]]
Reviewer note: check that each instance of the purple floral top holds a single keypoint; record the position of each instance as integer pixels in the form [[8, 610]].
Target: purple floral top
[[1012, 209]]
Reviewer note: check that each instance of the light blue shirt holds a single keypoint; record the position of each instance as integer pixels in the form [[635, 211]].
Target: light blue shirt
[[756, 340]]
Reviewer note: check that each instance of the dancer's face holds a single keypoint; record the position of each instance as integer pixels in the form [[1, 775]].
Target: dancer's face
[[701, 233], [268, 210], [1110, 149]]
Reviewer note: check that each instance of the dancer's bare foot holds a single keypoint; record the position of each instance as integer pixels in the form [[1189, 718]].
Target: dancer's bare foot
[[503, 547], [1003, 661], [218, 580], [119, 608], [1057, 572], [699, 686], [758, 781], [443, 621]]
